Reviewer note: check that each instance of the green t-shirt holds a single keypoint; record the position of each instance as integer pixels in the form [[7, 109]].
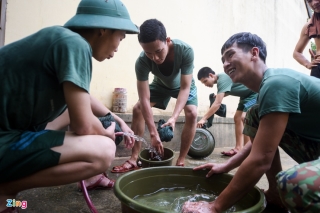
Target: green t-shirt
[[183, 65], [225, 85], [32, 71], [285, 90]]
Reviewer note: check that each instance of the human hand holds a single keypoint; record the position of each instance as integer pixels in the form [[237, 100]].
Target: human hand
[[201, 123], [128, 141], [171, 122], [157, 145], [315, 60], [198, 207], [215, 168]]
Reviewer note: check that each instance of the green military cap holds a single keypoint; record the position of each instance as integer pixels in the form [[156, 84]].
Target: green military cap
[[109, 14]]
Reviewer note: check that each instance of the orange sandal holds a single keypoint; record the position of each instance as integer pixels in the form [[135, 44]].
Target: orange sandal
[[122, 168], [97, 185]]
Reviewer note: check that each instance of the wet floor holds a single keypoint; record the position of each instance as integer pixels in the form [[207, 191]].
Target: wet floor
[[66, 198]]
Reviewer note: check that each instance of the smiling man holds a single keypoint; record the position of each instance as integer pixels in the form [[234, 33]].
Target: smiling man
[[171, 63], [287, 115]]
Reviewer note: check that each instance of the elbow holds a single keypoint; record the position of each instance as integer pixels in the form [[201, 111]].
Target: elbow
[[263, 164], [81, 130], [265, 167], [294, 55]]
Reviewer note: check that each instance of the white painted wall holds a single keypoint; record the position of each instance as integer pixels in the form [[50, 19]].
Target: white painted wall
[[204, 24]]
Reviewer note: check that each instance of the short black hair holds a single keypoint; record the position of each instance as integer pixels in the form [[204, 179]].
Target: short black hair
[[152, 30], [204, 72], [246, 41]]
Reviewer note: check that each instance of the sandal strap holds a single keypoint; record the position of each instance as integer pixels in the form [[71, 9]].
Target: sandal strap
[[111, 181], [96, 183], [131, 164], [122, 165]]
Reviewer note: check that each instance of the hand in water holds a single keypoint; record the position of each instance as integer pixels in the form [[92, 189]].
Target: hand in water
[[156, 144], [154, 155], [198, 207]]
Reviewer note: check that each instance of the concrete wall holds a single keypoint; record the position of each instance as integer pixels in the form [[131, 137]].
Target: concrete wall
[[204, 24], [222, 131]]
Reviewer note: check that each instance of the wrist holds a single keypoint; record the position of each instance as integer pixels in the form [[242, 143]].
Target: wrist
[[153, 135], [307, 65]]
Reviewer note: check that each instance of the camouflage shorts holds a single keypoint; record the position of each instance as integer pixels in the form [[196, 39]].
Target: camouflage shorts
[[298, 186]]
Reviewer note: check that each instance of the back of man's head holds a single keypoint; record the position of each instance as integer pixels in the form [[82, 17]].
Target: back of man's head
[[204, 72], [246, 41], [152, 30]]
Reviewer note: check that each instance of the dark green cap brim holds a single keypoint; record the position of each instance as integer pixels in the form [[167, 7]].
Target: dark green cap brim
[[100, 21]]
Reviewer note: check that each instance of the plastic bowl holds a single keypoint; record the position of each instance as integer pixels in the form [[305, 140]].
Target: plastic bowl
[[148, 180], [144, 162]]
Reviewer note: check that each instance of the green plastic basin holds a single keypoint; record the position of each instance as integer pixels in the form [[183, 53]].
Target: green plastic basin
[[144, 162], [148, 180]]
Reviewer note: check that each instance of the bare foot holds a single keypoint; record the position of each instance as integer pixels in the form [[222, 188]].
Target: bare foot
[[180, 162], [231, 152]]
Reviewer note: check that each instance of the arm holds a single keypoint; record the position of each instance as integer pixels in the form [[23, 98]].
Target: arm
[[233, 162], [100, 110], [264, 147], [82, 119], [300, 46], [182, 99], [144, 98], [214, 107]]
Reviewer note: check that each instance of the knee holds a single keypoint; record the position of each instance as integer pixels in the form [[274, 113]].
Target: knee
[[191, 115], [243, 117], [106, 153], [237, 119], [296, 192], [136, 109]]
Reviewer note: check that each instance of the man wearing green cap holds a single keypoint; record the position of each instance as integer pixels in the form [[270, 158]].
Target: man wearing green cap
[[286, 115], [44, 74], [171, 63]]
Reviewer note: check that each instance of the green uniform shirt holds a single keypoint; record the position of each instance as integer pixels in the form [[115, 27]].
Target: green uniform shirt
[[225, 85], [285, 90], [183, 65], [32, 71]]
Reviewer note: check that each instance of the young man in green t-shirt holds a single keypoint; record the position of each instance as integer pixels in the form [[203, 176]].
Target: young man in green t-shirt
[[286, 115], [45, 81], [171, 63], [225, 88]]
